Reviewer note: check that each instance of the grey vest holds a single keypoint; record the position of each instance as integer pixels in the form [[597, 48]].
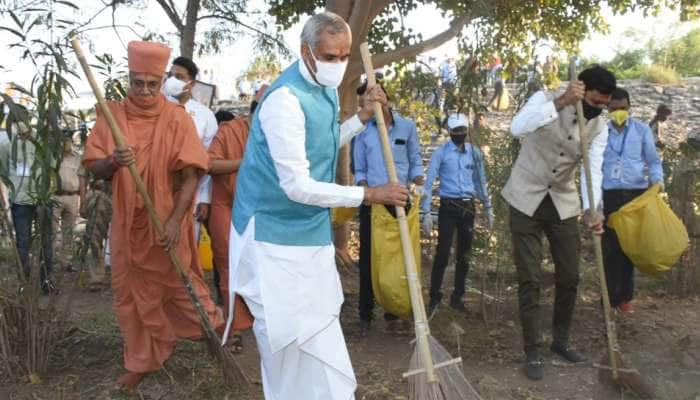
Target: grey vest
[[547, 163]]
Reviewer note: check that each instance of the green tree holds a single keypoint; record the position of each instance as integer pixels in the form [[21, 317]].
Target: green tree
[[682, 54], [265, 66]]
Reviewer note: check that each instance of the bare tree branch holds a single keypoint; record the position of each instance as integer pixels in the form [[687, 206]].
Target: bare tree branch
[[235, 20], [171, 12], [92, 18], [389, 57]]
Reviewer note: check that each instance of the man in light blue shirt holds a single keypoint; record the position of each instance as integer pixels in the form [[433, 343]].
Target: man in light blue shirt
[[448, 78], [448, 71], [370, 171], [460, 168], [630, 162]]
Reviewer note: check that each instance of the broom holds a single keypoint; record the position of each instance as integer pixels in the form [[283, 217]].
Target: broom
[[612, 368], [233, 372], [434, 374]]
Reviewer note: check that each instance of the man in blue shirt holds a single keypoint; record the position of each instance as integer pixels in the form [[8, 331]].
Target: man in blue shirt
[[448, 79], [370, 171], [460, 167], [629, 154]]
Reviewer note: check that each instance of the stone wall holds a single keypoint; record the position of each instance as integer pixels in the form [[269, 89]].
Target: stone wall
[[683, 99]]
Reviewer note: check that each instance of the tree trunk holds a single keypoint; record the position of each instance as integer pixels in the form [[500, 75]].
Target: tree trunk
[[348, 104], [189, 30]]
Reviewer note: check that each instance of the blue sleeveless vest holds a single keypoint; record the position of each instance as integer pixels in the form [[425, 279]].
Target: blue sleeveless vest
[[278, 219]]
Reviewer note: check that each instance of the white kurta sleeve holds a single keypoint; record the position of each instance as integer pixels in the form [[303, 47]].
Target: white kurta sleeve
[[282, 121], [209, 131], [536, 113], [595, 157], [350, 128]]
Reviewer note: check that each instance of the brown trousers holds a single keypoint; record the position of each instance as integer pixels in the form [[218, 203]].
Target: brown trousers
[[563, 238]]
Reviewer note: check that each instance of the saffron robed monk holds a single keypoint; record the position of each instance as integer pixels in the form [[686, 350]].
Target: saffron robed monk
[[152, 307], [282, 258]]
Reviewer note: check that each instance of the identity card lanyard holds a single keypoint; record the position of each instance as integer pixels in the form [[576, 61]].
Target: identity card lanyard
[[617, 169]]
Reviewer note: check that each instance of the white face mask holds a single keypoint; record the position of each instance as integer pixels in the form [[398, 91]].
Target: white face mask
[[329, 74], [173, 87]]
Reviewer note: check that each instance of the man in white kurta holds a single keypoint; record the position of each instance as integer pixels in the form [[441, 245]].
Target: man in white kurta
[[283, 264], [178, 88]]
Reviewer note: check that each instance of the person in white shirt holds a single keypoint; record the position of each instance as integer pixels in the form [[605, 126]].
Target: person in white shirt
[[245, 90], [178, 88], [282, 259]]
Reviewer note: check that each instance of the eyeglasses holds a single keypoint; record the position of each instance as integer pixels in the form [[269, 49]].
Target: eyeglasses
[[151, 86]]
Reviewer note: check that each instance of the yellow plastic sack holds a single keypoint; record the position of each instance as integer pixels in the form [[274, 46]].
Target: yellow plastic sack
[[504, 102], [206, 256], [341, 215], [650, 234], [389, 282]]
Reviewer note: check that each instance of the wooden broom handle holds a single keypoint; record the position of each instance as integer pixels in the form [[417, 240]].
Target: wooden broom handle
[[597, 245], [414, 286]]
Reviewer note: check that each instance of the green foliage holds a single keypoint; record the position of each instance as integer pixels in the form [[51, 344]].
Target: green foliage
[[265, 66], [413, 93], [661, 75], [628, 64], [683, 54], [115, 76]]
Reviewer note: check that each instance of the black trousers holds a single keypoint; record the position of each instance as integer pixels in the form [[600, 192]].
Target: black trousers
[[453, 215], [24, 218], [366, 305], [619, 270], [563, 238]]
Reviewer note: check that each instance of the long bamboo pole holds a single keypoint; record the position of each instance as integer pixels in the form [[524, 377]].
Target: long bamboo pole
[[597, 245], [414, 285]]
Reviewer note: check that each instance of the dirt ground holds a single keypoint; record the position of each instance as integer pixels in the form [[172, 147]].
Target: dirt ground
[[661, 339]]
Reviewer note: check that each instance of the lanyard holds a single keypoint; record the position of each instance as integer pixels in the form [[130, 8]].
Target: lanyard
[[624, 140]]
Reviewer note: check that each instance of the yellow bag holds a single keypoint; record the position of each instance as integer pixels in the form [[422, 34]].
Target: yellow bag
[[389, 282], [650, 234], [341, 215], [206, 256], [504, 102]]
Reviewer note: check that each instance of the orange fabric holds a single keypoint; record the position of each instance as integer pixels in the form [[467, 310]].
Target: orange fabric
[[148, 57], [150, 302], [228, 144], [261, 92]]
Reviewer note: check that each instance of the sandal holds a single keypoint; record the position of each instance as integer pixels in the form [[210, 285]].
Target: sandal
[[236, 345]]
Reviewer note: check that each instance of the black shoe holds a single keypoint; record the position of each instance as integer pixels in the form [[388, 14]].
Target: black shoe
[[534, 367], [568, 353], [432, 308], [48, 287], [458, 305], [364, 327]]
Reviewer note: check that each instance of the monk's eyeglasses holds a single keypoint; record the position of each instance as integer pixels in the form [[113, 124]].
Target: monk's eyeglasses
[[151, 86]]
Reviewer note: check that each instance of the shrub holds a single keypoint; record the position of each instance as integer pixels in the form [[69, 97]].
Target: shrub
[[660, 74]]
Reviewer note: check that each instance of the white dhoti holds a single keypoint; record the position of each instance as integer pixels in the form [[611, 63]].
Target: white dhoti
[[294, 293]]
